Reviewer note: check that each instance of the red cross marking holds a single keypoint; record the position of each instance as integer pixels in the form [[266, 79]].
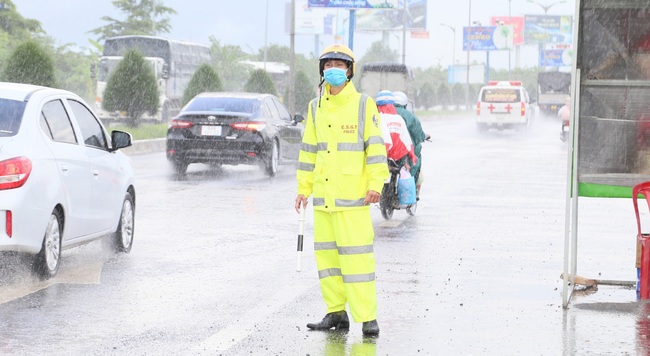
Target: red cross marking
[[491, 107], [508, 108]]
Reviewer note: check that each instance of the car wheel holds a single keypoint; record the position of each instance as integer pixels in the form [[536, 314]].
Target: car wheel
[[46, 263], [180, 167], [482, 128], [123, 237], [271, 165]]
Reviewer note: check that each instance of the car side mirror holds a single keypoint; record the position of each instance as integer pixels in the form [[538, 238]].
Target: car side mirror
[[298, 118], [120, 139]]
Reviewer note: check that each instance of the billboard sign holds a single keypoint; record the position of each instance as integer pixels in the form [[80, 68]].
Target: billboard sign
[[517, 23], [355, 4], [311, 21], [458, 74], [415, 17], [556, 55], [540, 29], [487, 38]]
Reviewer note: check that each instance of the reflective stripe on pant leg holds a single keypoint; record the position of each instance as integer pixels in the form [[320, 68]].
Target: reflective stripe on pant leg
[[327, 261], [355, 237]]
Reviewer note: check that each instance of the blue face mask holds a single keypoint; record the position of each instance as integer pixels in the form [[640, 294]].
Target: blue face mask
[[336, 76]]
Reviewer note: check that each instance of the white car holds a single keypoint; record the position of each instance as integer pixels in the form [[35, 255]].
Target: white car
[[503, 105], [62, 180]]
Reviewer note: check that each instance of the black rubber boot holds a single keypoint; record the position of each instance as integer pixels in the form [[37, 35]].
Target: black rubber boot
[[337, 320], [370, 328]]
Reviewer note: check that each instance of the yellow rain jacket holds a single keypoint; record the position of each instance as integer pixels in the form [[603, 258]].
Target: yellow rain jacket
[[343, 154]]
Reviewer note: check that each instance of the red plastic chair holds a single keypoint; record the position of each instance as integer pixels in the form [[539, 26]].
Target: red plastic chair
[[643, 239]]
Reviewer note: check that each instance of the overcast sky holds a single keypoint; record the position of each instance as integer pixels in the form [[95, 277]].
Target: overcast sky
[[244, 23]]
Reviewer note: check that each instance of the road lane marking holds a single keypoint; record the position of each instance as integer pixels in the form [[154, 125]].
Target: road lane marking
[[234, 333], [89, 273], [391, 223]]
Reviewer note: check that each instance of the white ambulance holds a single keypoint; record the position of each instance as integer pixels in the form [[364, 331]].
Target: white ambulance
[[503, 105]]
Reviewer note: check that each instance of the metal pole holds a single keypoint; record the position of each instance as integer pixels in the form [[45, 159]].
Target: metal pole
[[512, 34], [404, 34], [469, 23], [301, 232], [351, 31], [292, 60], [266, 31]]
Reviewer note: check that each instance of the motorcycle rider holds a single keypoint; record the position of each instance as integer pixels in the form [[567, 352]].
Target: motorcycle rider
[[565, 114], [399, 146], [417, 136]]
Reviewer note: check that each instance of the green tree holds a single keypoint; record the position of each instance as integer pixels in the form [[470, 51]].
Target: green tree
[[260, 82], [275, 53], [30, 63], [426, 96], [458, 92], [378, 52], [132, 88], [205, 79], [444, 94], [143, 17], [228, 60], [72, 72], [14, 24], [303, 91]]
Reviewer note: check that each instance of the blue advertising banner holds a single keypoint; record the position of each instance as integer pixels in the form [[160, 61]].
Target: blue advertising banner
[[415, 17], [486, 38], [548, 29], [556, 55], [355, 4]]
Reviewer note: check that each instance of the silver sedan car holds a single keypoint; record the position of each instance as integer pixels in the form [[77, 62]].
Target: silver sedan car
[[63, 181]]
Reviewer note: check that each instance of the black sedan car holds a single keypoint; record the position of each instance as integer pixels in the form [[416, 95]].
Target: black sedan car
[[234, 128]]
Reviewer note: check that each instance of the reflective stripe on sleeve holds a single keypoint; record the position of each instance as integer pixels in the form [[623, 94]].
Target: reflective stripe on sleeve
[[308, 148], [376, 159], [318, 201], [309, 167], [375, 139]]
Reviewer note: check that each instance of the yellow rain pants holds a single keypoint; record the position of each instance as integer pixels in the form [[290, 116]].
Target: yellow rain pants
[[343, 245]]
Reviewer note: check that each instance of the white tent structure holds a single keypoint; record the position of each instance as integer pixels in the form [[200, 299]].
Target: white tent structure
[[609, 148]]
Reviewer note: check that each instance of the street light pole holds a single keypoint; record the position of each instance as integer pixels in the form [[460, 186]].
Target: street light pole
[[546, 7], [453, 53], [512, 34], [469, 23]]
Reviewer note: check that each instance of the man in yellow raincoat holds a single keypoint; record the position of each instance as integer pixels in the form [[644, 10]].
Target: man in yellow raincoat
[[343, 166]]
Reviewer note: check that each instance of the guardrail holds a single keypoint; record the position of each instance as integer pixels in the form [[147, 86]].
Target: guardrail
[[146, 146]]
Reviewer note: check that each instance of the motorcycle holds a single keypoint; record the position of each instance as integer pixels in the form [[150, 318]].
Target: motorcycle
[[389, 200], [564, 133], [564, 114]]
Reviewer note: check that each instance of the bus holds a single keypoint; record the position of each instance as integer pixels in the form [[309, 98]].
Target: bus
[[173, 63]]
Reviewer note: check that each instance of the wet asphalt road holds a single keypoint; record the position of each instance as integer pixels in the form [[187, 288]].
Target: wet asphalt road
[[475, 272]]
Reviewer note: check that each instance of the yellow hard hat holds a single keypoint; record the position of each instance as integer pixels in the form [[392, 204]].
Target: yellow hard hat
[[337, 51]]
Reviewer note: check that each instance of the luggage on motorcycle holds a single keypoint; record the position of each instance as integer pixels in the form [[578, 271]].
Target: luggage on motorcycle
[[406, 192]]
